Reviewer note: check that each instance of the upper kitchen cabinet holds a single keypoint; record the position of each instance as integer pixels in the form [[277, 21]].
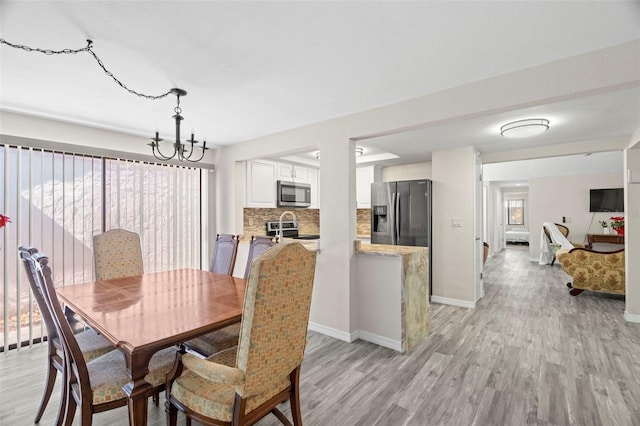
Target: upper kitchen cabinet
[[292, 173], [364, 179], [261, 184]]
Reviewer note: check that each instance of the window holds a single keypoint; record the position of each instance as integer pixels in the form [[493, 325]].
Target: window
[[515, 212], [58, 201]]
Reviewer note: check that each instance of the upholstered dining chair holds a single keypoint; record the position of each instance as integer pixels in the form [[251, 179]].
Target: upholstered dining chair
[[91, 344], [224, 256], [258, 245], [241, 385], [228, 336], [94, 386], [116, 254]]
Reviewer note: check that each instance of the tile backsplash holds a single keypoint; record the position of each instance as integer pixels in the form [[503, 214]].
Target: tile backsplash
[[364, 223], [255, 220], [308, 220]]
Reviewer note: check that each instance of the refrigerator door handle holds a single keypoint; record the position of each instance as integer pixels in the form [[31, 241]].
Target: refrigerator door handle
[[397, 230], [393, 218]]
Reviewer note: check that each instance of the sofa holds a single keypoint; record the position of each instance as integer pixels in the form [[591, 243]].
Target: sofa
[[593, 270]]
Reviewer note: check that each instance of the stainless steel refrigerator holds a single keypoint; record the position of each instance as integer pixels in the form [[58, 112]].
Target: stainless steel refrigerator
[[401, 213]]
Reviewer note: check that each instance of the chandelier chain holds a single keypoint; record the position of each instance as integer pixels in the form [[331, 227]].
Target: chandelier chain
[[98, 60]]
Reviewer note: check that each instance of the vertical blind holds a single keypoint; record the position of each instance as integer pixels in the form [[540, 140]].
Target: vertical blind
[[58, 201]]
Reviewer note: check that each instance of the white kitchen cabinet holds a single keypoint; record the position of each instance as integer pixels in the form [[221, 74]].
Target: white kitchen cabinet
[[261, 184], [314, 180], [292, 173], [364, 179]]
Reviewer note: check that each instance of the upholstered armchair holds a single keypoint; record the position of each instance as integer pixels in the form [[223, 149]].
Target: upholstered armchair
[[593, 270], [241, 385]]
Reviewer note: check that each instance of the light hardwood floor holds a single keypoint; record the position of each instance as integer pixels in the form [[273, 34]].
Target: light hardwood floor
[[528, 354]]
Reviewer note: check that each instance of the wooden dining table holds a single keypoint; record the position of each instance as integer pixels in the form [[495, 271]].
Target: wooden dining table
[[143, 314]]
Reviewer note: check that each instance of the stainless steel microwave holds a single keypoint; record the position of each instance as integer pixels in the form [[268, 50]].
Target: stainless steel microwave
[[292, 194]]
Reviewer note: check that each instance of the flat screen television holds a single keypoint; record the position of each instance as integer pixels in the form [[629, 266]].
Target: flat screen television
[[606, 200]]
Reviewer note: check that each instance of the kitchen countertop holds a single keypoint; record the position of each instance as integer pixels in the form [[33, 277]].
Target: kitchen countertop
[[386, 250], [313, 245]]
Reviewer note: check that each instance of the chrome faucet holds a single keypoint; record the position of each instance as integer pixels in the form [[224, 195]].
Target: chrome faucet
[[279, 233]]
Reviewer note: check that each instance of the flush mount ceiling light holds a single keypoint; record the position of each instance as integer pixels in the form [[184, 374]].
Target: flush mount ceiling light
[[524, 128], [359, 152]]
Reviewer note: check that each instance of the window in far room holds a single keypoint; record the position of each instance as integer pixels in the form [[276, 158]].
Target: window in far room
[[515, 212]]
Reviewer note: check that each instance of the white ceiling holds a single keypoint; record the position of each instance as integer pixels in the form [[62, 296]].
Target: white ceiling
[[256, 68]]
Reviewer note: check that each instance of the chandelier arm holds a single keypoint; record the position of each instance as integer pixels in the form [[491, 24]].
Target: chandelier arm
[[186, 157], [164, 157], [201, 156]]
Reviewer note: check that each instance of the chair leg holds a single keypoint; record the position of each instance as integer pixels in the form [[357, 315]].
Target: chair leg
[[575, 291], [294, 399], [64, 395], [70, 410], [172, 413], [52, 373]]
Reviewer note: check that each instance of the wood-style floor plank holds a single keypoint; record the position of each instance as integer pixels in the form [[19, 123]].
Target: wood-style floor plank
[[529, 354]]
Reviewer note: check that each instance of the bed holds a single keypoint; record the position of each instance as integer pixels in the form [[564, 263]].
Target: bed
[[517, 235]]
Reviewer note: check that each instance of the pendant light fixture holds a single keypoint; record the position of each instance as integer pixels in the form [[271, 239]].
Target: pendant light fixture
[[180, 149]]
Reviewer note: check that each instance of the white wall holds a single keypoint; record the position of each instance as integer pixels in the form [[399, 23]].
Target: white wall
[[632, 232], [553, 197], [412, 171], [453, 247]]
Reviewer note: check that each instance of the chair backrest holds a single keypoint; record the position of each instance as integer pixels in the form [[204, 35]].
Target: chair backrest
[[76, 365], [273, 332], [224, 257], [563, 230], [34, 276], [117, 253], [258, 245]]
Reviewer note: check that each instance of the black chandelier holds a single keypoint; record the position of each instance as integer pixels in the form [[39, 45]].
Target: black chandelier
[[180, 149]]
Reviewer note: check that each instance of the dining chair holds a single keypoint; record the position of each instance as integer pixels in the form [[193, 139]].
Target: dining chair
[[241, 385], [94, 386], [258, 245], [228, 336], [91, 344], [224, 256], [117, 253]]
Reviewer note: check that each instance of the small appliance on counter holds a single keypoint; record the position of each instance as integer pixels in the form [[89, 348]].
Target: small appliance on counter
[[289, 230]]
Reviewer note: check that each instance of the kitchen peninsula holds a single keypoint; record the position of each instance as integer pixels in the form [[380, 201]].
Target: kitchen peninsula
[[391, 295]]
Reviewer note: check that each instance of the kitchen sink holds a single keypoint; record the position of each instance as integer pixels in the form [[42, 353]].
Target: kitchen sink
[[306, 237]]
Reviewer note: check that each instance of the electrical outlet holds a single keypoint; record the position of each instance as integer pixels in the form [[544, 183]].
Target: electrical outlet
[[456, 222]]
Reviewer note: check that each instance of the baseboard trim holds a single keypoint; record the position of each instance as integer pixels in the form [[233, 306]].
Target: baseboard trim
[[331, 332], [453, 302], [631, 317], [358, 334], [378, 340]]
